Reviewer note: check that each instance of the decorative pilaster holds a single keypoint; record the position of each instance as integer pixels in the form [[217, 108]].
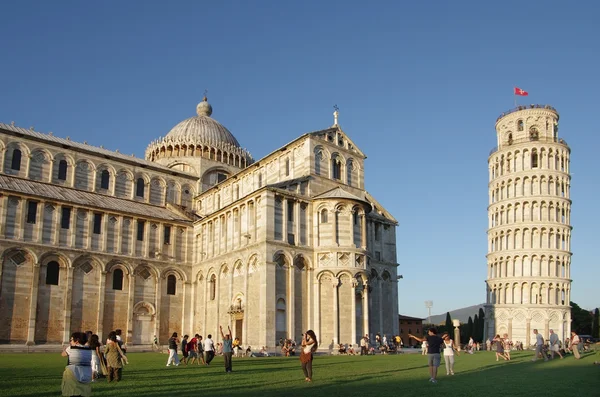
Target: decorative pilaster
[[130, 296], [101, 301], [365, 303], [33, 304], [67, 307], [336, 315], [353, 284]]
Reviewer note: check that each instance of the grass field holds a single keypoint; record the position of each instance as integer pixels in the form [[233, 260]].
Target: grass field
[[40, 374]]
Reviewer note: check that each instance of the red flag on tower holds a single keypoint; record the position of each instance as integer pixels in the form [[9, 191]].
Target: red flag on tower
[[519, 91]]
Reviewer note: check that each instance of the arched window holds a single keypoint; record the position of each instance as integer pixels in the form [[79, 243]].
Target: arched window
[[534, 159], [287, 167], [510, 139], [171, 285], [140, 187], [336, 168], [324, 216], [104, 179], [52, 272], [280, 317], [534, 134], [62, 170], [520, 125], [117, 280], [16, 160], [213, 287]]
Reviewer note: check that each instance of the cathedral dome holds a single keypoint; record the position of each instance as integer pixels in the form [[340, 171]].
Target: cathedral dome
[[202, 129], [199, 136]]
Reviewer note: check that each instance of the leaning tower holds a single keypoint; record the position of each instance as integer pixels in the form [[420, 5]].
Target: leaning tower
[[529, 231]]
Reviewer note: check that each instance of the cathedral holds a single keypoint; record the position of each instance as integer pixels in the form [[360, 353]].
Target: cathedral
[[195, 235]]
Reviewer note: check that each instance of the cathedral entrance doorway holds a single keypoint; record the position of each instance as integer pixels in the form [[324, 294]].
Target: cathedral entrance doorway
[[239, 329], [143, 324]]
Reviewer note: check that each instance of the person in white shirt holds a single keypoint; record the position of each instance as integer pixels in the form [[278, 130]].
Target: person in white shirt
[[209, 349], [539, 346], [449, 349]]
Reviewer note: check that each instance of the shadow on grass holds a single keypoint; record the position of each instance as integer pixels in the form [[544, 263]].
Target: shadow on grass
[[478, 375]]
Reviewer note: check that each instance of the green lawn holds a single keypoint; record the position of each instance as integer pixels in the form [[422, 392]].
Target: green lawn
[[392, 375]]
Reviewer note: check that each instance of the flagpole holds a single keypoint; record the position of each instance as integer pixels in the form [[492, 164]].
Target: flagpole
[[515, 96]]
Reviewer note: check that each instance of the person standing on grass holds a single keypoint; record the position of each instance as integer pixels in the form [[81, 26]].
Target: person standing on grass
[[309, 346], [209, 349], [539, 346], [94, 345], [227, 348], [173, 342], [434, 342], [507, 346], [200, 350], [114, 358], [192, 349], [575, 341], [449, 349], [77, 377], [184, 350], [554, 345], [499, 347], [363, 345]]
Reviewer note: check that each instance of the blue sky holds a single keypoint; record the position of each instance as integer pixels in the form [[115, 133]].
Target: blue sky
[[419, 86]]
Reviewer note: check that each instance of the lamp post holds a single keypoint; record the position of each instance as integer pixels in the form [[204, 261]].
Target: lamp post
[[429, 305], [456, 324]]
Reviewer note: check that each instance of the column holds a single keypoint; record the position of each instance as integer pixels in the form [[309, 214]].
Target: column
[[363, 231], [39, 220], [184, 289], [284, 221], [56, 224], [297, 222], [33, 304], [100, 318], [366, 307], [336, 319], [528, 332], [130, 297], [291, 303], [546, 329], [380, 293], [245, 317], [510, 321], [354, 284], [90, 228], [105, 220], [146, 242], [67, 307], [3, 210], [157, 294], [72, 233], [20, 217], [317, 295]]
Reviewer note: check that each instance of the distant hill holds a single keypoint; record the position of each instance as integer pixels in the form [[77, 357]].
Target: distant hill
[[459, 314]]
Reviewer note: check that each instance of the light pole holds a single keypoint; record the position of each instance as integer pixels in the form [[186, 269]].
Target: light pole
[[429, 305]]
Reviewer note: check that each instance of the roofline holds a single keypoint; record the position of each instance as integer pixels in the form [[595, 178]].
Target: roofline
[[403, 317], [108, 154]]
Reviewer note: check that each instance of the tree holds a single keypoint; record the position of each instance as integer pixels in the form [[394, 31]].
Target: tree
[[581, 320], [475, 328], [470, 327], [449, 326], [480, 331], [595, 326]]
